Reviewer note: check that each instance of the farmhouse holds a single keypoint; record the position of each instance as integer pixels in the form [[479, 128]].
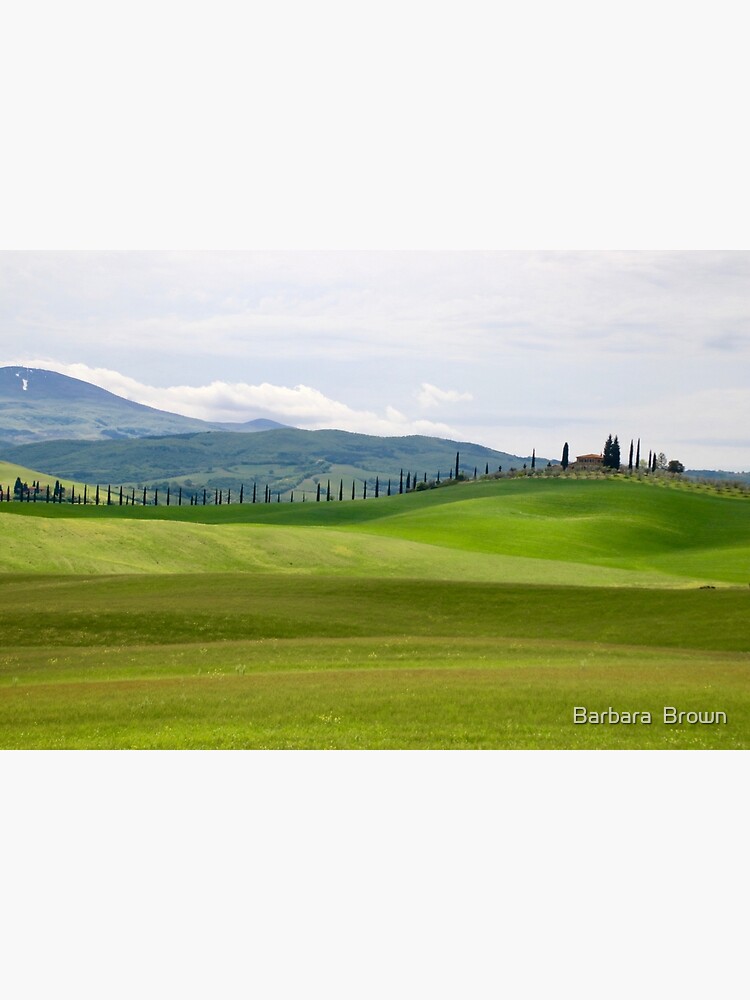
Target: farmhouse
[[584, 462]]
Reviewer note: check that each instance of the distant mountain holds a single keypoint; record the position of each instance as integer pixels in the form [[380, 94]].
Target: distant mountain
[[732, 477], [283, 459], [38, 405]]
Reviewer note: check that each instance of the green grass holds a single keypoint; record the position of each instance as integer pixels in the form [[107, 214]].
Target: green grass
[[474, 616]]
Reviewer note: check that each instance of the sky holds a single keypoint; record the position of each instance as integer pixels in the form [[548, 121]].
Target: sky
[[517, 350]]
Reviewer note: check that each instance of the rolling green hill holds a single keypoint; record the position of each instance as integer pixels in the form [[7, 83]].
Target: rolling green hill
[[525, 529]]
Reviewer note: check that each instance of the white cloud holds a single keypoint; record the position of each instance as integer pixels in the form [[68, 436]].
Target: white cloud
[[430, 396]]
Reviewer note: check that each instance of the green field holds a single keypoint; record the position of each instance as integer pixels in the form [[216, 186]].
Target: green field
[[473, 616]]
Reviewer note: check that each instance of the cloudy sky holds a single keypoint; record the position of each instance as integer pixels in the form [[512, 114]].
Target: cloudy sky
[[513, 350]]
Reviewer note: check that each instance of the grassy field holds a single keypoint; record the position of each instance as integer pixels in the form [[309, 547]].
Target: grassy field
[[474, 616]]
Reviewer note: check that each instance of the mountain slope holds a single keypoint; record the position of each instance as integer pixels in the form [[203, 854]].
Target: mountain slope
[[38, 405], [284, 459]]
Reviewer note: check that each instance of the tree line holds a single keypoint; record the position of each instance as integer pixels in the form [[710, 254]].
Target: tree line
[[406, 482]]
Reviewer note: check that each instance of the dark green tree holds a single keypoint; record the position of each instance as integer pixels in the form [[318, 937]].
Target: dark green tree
[[533, 458], [456, 465], [565, 457], [630, 457]]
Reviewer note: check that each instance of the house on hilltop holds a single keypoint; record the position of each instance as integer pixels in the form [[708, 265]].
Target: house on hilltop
[[584, 463]]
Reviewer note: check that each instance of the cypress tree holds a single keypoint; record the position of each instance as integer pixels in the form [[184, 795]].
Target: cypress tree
[[389, 487], [255, 485], [408, 481], [242, 492], [278, 497], [533, 458], [291, 497], [438, 477], [638, 455], [607, 454], [352, 489], [229, 496], [487, 469], [317, 495], [630, 457], [401, 482], [84, 494], [456, 465], [377, 487], [47, 492], [653, 463], [179, 498], [204, 496], [97, 495], [328, 490], [648, 467], [475, 472], [156, 498], [120, 496], [341, 490], [144, 495], [364, 490], [565, 457], [616, 454], [167, 496]]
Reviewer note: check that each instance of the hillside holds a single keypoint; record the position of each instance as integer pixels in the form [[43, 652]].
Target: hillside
[[562, 531], [473, 616], [38, 405], [284, 459]]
